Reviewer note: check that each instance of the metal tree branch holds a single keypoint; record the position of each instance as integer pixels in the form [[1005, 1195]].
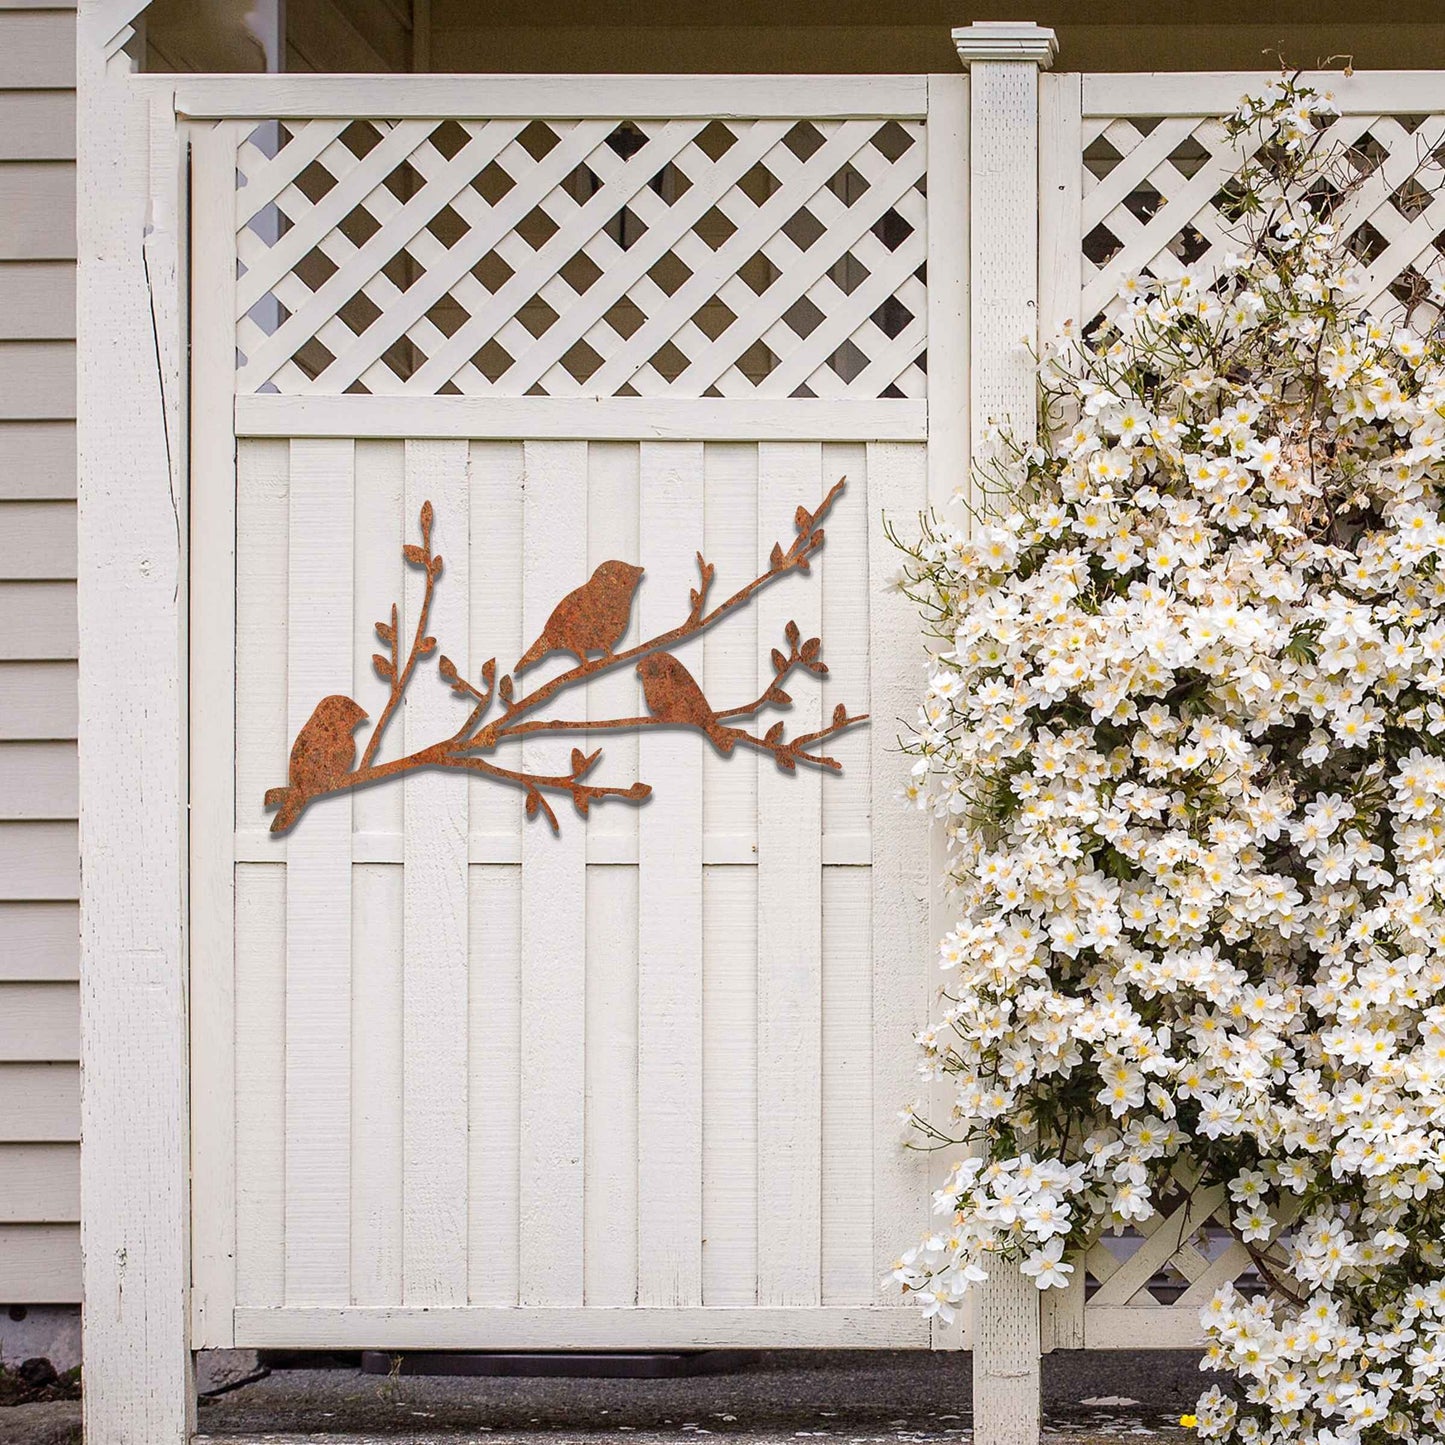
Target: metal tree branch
[[592, 618]]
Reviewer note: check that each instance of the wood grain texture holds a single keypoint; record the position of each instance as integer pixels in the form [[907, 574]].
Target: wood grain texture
[[789, 926], [669, 911], [318, 889], [435, 934], [554, 924]]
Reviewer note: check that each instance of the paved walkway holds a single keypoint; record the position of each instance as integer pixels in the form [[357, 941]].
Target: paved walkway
[[831, 1398]]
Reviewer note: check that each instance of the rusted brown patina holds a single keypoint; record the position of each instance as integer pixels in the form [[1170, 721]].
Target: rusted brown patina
[[592, 619]]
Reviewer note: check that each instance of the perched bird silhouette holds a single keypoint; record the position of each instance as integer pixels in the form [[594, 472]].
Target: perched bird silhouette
[[592, 618], [322, 754], [673, 695]]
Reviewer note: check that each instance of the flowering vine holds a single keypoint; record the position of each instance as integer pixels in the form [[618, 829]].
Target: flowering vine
[[1185, 722]]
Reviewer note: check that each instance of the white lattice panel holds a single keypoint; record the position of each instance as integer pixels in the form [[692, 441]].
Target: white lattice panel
[[1155, 200], [599, 258]]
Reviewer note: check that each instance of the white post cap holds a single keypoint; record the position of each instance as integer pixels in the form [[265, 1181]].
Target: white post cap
[[1006, 40]]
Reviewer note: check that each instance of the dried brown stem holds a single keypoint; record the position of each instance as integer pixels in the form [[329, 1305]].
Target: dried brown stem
[[459, 751]]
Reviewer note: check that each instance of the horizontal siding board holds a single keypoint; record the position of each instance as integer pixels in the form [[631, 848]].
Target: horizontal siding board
[[38, 700], [38, 780], [37, 378], [37, 210], [37, 300], [37, 125], [40, 1263], [37, 539], [39, 941], [39, 860], [39, 1103], [37, 460], [39, 621], [37, 50], [39, 1023], [39, 1183]]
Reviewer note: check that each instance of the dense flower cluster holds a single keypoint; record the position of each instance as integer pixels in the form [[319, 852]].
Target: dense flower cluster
[[1186, 723]]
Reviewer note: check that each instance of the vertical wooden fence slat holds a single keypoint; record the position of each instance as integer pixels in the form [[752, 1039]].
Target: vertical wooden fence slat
[[610, 1185], [434, 963], [318, 889], [554, 923], [213, 739], [789, 923], [1004, 60], [262, 509], [669, 903], [848, 1273], [731, 667], [495, 993], [903, 884], [377, 1088]]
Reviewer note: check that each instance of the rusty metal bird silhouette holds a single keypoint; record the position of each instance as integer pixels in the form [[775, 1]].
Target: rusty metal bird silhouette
[[591, 618], [672, 695], [322, 754]]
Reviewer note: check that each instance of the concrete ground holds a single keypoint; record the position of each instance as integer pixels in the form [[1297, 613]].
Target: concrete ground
[[862, 1398]]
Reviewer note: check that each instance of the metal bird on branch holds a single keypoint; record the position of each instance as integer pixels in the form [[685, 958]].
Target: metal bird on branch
[[592, 619]]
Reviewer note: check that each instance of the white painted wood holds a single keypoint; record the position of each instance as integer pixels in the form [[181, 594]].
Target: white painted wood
[[39, 1184], [1201, 93], [40, 621], [495, 999], [318, 888], [39, 1022], [600, 419], [38, 701], [789, 923], [553, 915], [38, 780], [669, 910], [37, 539], [434, 969], [1061, 167], [1004, 63], [377, 1082], [730, 1085], [40, 860], [261, 1086], [613, 1189], [39, 1103], [902, 874], [42, 941], [37, 459], [212, 663], [37, 210], [40, 1263], [602, 1329], [377, 907], [553, 97]]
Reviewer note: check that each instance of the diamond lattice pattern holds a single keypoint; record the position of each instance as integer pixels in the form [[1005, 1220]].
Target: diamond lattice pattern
[[682, 258], [1156, 199]]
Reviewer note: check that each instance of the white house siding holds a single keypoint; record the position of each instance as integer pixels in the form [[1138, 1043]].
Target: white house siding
[[39, 861]]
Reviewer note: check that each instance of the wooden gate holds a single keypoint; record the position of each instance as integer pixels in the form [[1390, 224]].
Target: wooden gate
[[459, 1082]]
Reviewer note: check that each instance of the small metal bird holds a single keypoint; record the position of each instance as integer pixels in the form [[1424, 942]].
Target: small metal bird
[[323, 753], [592, 618], [673, 696]]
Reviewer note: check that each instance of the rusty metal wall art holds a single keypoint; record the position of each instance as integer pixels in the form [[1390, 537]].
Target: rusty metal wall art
[[588, 624]]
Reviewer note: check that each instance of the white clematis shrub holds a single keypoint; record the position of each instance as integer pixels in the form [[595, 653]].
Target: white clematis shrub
[[1185, 722]]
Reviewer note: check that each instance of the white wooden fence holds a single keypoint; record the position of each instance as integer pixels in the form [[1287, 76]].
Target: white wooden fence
[[459, 1082], [456, 1082]]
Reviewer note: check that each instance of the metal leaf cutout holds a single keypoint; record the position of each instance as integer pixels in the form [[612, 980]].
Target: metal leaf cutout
[[588, 624]]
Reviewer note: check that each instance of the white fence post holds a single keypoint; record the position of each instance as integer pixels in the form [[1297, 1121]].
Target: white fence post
[[1004, 58]]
